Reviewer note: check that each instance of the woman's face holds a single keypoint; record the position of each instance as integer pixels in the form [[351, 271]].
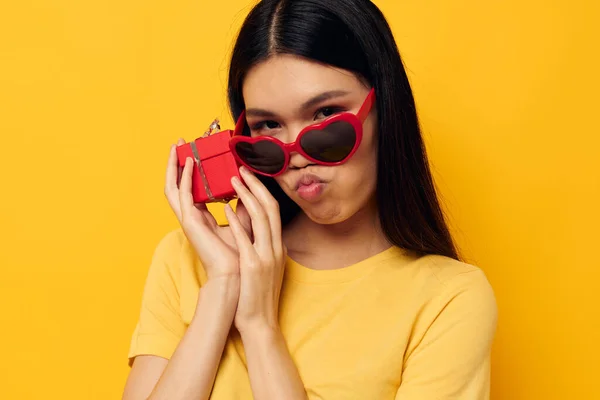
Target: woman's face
[[281, 85]]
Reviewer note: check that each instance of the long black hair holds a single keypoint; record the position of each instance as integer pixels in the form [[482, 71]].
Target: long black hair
[[355, 36]]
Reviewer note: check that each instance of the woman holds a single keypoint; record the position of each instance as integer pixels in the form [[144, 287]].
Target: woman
[[337, 277]]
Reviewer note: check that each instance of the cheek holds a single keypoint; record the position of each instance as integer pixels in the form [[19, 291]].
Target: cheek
[[283, 185], [364, 162], [357, 178]]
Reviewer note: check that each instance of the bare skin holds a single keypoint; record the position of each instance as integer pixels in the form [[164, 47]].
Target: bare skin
[[245, 261], [341, 227]]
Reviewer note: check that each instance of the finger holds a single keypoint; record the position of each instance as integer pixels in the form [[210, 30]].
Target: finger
[[199, 206], [269, 204], [242, 241], [244, 217], [208, 217], [193, 221], [258, 217], [180, 142], [171, 187], [186, 200]]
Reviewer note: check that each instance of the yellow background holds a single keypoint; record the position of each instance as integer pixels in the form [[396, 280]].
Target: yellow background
[[93, 93]]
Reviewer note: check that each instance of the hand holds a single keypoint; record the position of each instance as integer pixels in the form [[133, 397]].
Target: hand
[[214, 245], [261, 258]]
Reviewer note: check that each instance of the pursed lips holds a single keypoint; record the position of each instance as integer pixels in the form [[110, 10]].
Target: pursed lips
[[308, 179]]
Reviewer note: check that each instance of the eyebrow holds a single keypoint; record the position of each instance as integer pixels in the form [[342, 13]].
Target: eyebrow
[[259, 112]]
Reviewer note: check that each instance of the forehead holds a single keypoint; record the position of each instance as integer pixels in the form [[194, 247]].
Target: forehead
[[285, 81]]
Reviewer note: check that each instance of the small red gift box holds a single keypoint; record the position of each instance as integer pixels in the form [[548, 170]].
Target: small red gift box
[[214, 166]]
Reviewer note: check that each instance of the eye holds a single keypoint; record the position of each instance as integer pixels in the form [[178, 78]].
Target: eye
[[327, 112], [264, 125]]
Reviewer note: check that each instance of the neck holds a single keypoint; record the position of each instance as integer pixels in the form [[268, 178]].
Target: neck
[[331, 246]]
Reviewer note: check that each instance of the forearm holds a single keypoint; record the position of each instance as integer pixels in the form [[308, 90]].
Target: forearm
[[191, 371], [273, 374]]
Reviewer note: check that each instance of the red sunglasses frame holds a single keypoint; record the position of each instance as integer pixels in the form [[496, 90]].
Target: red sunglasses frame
[[355, 120]]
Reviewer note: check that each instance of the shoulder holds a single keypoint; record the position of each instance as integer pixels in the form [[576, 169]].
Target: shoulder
[[175, 254], [434, 275], [171, 244], [174, 247], [452, 332], [435, 285], [453, 274], [165, 266], [453, 277], [458, 289], [176, 272], [429, 283], [444, 300]]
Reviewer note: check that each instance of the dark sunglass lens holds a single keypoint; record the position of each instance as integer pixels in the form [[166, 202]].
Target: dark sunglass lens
[[264, 156], [331, 144]]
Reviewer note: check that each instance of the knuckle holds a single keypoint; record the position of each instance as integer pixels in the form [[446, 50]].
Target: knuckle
[[280, 254], [262, 212], [253, 209], [255, 263], [269, 262], [272, 204]]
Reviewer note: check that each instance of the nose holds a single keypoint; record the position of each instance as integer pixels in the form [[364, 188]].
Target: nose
[[297, 161]]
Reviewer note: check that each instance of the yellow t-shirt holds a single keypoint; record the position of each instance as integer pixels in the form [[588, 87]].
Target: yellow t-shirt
[[389, 327]]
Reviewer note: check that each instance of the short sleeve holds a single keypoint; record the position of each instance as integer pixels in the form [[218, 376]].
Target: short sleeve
[[452, 359], [160, 327]]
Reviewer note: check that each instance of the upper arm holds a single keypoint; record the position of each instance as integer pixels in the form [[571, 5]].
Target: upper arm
[[143, 377], [452, 358], [160, 326]]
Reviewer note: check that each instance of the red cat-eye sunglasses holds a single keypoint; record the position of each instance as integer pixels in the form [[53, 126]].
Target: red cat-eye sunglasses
[[330, 142]]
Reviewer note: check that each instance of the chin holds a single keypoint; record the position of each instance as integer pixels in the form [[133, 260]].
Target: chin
[[325, 214]]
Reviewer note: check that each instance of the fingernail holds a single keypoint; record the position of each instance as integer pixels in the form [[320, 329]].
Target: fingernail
[[243, 170], [235, 180]]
